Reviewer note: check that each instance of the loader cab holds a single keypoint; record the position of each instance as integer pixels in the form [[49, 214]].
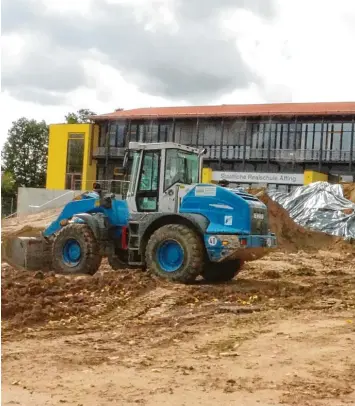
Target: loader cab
[[158, 171]]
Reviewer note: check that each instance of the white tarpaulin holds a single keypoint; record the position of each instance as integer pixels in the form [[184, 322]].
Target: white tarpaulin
[[320, 206]]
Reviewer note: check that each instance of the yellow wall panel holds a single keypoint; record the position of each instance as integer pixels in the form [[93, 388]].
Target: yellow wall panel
[[57, 157], [57, 154], [206, 175], [314, 176]]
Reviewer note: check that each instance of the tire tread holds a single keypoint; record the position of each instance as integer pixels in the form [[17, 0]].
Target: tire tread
[[194, 248], [92, 260]]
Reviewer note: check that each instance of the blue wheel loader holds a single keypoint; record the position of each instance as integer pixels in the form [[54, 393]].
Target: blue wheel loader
[[170, 223]]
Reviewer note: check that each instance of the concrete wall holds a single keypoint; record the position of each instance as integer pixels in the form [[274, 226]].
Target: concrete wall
[[42, 197]]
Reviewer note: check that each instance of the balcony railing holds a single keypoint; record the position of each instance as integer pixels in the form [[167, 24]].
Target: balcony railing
[[114, 152], [287, 155], [99, 152], [236, 152]]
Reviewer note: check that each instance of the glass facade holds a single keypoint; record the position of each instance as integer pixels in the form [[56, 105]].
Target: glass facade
[[278, 143]]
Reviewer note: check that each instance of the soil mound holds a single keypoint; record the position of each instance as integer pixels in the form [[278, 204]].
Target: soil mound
[[25, 224], [349, 191], [30, 298], [292, 237]]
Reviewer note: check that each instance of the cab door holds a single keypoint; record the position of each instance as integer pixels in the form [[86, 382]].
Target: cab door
[[147, 195]]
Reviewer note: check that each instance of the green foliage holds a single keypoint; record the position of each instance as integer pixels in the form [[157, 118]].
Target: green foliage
[[81, 116], [8, 184], [8, 194], [24, 155]]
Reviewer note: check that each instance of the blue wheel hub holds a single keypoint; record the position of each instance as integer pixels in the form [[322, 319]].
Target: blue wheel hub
[[170, 256], [71, 253]]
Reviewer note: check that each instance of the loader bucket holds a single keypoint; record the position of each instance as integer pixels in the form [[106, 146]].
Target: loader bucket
[[26, 249]]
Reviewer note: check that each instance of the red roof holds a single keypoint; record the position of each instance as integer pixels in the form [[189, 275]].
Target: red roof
[[231, 110]]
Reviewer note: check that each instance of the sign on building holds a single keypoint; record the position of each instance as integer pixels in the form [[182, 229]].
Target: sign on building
[[260, 177]]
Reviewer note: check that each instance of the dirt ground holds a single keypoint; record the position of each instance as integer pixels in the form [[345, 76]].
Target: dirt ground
[[281, 333]]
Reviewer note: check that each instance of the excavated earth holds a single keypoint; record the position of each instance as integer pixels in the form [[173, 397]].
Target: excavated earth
[[281, 333], [349, 191]]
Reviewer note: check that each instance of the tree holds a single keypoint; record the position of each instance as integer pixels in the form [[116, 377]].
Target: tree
[[24, 155], [8, 194], [8, 184], [81, 116]]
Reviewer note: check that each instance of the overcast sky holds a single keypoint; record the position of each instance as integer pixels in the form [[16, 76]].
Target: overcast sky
[[63, 55]]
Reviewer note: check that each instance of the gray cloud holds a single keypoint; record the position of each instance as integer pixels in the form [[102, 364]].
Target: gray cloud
[[36, 95], [45, 68], [197, 63]]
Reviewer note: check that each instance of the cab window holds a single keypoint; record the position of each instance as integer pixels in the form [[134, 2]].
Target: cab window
[[180, 167]]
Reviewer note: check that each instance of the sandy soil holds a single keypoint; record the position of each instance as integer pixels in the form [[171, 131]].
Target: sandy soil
[[280, 333], [349, 191]]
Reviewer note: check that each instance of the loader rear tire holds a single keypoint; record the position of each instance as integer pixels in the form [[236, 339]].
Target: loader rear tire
[[76, 250], [175, 252], [221, 271]]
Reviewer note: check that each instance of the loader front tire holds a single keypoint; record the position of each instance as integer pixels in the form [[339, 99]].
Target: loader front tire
[[221, 271], [76, 250], [175, 252]]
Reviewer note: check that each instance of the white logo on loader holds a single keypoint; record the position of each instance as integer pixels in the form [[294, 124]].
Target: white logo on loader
[[212, 240], [228, 220]]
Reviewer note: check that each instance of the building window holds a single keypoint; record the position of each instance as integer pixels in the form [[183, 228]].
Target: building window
[[75, 158], [165, 132], [184, 131], [317, 136], [117, 132], [260, 135], [75, 153], [235, 132], [112, 134], [279, 135], [149, 131], [120, 135], [102, 135], [134, 133], [271, 139]]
